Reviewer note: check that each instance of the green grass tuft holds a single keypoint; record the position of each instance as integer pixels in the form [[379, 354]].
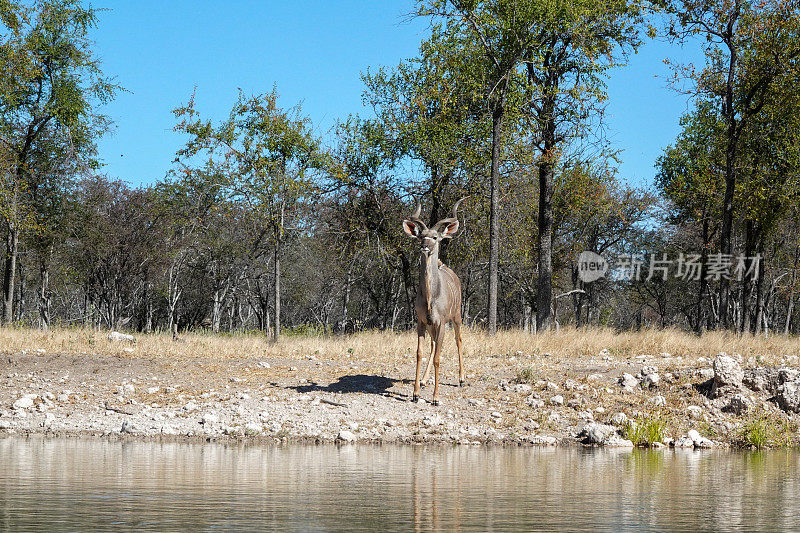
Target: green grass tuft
[[762, 431], [526, 375], [645, 431]]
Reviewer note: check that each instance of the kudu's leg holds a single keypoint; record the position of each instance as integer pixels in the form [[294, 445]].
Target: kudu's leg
[[439, 337], [420, 340], [427, 373], [457, 331]]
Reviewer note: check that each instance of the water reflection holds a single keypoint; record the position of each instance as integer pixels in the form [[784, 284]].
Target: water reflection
[[86, 484]]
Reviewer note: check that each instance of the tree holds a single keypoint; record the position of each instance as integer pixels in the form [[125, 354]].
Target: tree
[[691, 177], [748, 45], [502, 30], [51, 83], [264, 156], [573, 46]]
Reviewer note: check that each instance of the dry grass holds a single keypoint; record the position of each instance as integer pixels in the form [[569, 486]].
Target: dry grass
[[378, 345]]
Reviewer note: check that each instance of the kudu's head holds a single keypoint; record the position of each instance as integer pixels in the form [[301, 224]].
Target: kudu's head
[[429, 238]]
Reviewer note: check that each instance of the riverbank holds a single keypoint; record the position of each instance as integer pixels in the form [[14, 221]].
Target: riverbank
[[591, 387]]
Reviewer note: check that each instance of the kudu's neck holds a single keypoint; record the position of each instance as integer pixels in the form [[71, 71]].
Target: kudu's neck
[[429, 279]]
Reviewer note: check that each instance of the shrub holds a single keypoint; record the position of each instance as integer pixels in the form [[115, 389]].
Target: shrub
[[644, 431], [525, 375]]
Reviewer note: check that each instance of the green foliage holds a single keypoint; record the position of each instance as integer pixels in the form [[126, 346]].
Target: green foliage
[[765, 431], [526, 375], [307, 330], [645, 430]]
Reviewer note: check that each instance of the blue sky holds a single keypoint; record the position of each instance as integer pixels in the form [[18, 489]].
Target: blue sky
[[314, 53]]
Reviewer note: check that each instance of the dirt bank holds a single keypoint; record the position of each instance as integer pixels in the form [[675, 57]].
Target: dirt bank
[[359, 388]]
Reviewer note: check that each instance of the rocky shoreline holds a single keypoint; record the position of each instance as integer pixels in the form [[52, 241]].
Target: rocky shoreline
[[523, 399]]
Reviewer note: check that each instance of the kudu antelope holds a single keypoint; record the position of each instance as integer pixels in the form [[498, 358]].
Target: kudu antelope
[[438, 295]]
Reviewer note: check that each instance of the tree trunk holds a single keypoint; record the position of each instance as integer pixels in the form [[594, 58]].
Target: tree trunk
[[346, 299], [494, 219], [12, 244], [760, 292], [216, 311], [726, 241], [19, 300], [276, 292], [544, 241], [701, 296], [44, 296], [790, 306], [749, 244]]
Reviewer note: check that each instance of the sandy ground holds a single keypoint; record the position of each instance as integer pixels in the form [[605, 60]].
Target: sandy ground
[[359, 389]]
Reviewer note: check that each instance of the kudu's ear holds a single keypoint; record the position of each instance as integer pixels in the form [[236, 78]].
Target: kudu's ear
[[448, 229], [411, 228]]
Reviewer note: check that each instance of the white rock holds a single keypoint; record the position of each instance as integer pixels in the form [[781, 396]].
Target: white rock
[[116, 336], [475, 401], [25, 402], [496, 414], [618, 442], [153, 390], [695, 411], [6, 424], [557, 400], [252, 429], [428, 421], [595, 433], [651, 380], [788, 396], [594, 377], [658, 401], [628, 382], [727, 372], [576, 403], [647, 370], [619, 419], [693, 434], [189, 407], [535, 402], [703, 442], [346, 436], [740, 404], [704, 373], [684, 442], [522, 388], [209, 419], [543, 440]]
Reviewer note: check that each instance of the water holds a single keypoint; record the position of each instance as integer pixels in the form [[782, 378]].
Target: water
[[83, 485]]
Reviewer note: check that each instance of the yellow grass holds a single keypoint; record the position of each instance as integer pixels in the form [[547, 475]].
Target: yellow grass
[[378, 345]]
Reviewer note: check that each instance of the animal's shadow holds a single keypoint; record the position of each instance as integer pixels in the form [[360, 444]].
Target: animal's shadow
[[355, 383]]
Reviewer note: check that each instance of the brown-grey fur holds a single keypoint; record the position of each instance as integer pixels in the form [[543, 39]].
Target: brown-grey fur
[[438, 296]]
